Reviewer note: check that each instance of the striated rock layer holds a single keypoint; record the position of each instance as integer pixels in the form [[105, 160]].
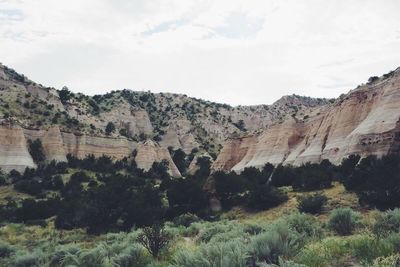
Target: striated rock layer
[[366, 121], [56, 144], [14, 152], [149, 152], [293, 130]]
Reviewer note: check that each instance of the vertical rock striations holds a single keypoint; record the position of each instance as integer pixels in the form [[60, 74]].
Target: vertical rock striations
[[365, 122], [14, 152], [149, 152]]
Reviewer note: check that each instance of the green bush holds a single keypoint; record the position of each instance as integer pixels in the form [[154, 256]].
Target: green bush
[[154, 239], [110, 128], [265, 197], [282, 263], [394, 240], [133, 256], [331, 251], [366, 248], [232, 254], [89, 258], [3, 180], [63, 254], [211, 230], [376, 181], [6, 250], [343, 221], [312, 176], [36, 150], [305, 225], [387, 223], [186, 219], [64, 95], [312, 203], [279, 241], [33, 259]]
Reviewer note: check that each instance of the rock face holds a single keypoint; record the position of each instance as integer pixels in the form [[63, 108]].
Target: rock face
[[179, 135], [82, 145], [293, 130], [366, 121], [149, 152], [56, 144], [52, 141], [194, 166], [14, 152]]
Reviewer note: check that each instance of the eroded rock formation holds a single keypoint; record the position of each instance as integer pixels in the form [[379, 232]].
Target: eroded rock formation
[[56, 144], [293, 130], [366, 121], [14, 152], [149, 152]]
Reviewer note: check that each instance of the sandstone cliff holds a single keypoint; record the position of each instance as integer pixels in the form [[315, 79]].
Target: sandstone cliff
[[14, 150], [293, 130], [56, 144], [74, 123], [366, 121], [149, 152]]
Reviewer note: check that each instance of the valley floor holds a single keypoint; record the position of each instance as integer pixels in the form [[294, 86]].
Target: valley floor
[[277, 237]]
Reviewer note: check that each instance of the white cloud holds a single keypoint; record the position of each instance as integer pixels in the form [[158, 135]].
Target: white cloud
[[235, 51]]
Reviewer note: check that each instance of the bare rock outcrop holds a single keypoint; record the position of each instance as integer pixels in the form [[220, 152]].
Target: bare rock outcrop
[[14, 152], [194, 164], [293, 130], [179, 135], [366, 121], [53, 144], [83, 145], [150, 152]]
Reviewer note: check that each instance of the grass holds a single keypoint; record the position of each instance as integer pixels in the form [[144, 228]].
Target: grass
[[280, 235], [8, 191], [297, 237], [337, 197]]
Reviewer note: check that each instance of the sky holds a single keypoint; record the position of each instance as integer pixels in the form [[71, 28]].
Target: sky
[[240, 52]]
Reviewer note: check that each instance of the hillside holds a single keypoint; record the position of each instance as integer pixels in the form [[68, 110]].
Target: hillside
[[366, 121], [73, 123], [104, 187]]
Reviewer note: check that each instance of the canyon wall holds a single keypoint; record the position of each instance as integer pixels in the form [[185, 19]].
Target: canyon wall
[[366, 121], [293, 130], [14, 152], [56, 145]]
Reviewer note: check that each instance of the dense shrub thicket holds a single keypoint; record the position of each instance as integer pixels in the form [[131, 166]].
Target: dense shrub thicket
[[100, 194], [307, 177], [293, 240], [376, 181], [343, 221], [312, 203], [387, 223], [105, 195], [250, 187], [36, 150]]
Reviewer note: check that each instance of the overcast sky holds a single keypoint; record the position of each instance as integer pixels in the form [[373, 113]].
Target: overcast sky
[[231, 51]]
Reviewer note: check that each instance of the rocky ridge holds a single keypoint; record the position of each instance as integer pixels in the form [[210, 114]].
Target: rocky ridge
[[73, 123], [366, 121], [293, 130]]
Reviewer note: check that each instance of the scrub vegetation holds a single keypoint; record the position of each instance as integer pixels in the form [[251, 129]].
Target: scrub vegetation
[[100, 212]]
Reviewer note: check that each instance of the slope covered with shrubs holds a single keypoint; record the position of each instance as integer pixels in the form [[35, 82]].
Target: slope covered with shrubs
[[293, 240], [99, 212]]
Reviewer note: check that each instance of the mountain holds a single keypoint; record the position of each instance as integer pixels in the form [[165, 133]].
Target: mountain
[[144, 122], [148, 126], [366, 121]]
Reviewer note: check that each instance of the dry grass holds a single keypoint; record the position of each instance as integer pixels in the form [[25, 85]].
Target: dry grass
[[337, 197], [30, 236], [7, 192]]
